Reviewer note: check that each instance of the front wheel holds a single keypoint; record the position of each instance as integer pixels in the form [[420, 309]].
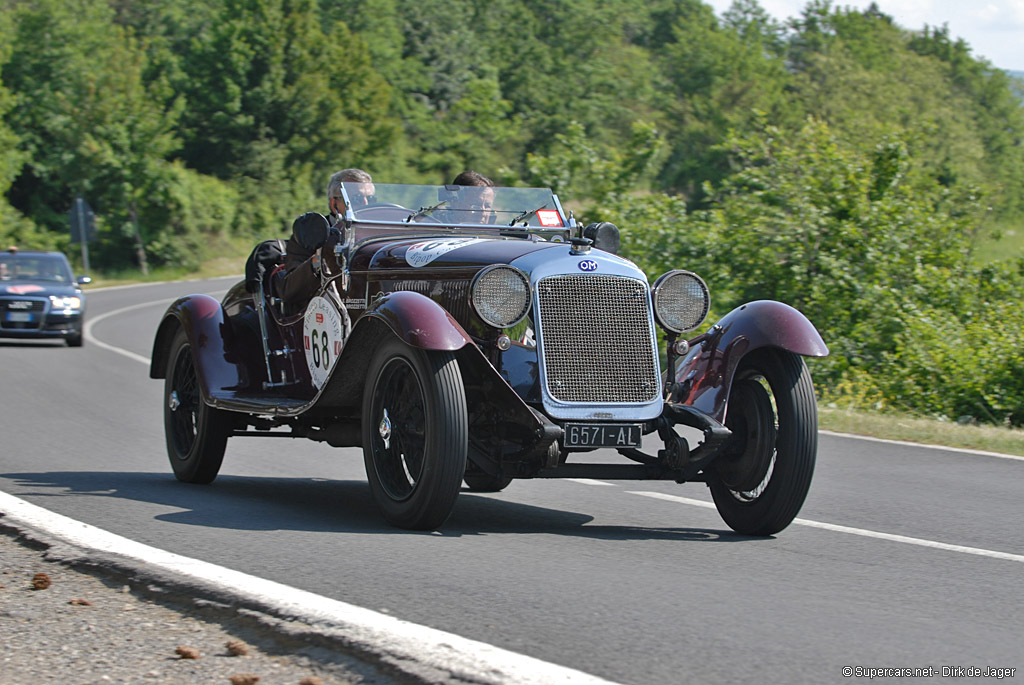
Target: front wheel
[[196, 433], [760, 484], [415, 434]]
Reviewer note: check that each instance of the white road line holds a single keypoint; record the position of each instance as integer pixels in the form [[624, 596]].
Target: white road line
[[394, 641], [93, 340], [907, 443], [92, 321], [235, 277], [853, 531], [588, 481]]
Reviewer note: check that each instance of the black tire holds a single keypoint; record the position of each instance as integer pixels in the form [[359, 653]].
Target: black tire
[[415, 434], [761, 484], [74, 340], [484, 482], [196, 433]]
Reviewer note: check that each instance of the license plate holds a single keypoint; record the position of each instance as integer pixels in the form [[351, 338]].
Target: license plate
[[602, 435], [19, 317]]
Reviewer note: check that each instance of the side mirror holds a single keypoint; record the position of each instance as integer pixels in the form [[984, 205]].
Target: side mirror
[[603, 235], [83, 280], [310, 231]]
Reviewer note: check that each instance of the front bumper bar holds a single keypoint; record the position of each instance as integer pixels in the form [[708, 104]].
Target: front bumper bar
[[676, 461]]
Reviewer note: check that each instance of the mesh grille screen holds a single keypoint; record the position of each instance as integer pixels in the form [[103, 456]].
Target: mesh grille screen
[[597, 341]]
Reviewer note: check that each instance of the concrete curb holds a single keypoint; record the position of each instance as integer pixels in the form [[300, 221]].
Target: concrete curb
[[419, 653]]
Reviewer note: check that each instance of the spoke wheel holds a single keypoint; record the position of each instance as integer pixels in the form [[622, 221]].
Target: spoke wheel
[[196, 434], [760, 485], [414, 434]]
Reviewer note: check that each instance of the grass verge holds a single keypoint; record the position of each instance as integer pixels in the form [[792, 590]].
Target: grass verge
[[922, 430]]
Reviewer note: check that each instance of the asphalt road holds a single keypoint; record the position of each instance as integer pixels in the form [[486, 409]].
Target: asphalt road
[[903, 556]]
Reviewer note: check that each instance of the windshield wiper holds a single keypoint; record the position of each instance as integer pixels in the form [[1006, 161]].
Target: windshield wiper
[[425, 211], [526, 215]]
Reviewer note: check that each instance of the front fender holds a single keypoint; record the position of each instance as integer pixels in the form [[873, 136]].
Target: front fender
[[210, 335], [414, 318], [419, 321], [704, 376]]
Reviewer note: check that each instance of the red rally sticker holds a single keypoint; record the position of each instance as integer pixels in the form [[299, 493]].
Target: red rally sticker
[[549, 218], [319, 318], [24, 289]]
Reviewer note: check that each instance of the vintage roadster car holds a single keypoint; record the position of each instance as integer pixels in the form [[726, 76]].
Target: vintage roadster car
[[484, 335]]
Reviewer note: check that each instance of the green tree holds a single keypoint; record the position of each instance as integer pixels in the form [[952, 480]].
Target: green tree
[[14, 228], [720, 78], [995, 111], [92, 125], [265, 76]]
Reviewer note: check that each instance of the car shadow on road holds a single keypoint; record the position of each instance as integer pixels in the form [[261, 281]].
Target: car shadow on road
[[322, 505]]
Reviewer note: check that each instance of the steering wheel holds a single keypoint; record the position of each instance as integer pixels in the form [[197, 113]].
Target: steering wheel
[[391, 205]]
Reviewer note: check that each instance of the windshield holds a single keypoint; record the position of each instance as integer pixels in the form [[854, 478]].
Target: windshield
[[535, 208], [34, 267]]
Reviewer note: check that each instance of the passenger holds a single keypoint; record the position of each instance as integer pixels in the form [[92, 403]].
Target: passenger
[[480, 203], [302, 252]]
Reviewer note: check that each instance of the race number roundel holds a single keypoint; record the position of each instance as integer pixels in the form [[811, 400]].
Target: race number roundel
[[322, 338]]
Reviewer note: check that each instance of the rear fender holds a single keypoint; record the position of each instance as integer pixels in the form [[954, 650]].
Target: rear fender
[[704, 376], [211, 337]]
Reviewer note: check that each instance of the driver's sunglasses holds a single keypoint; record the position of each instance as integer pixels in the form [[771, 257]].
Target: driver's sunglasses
[[365, 199]]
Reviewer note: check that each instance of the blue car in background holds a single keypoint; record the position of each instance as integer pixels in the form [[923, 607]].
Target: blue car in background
[[40, 297]]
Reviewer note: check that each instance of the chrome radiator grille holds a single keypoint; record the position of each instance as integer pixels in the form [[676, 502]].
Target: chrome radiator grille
[[596, 337]]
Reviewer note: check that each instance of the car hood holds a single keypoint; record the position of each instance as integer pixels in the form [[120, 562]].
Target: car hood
[[458, 252], [38, 289]]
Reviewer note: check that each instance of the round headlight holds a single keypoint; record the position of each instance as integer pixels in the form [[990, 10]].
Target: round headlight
[[681, 301], [501, 295]]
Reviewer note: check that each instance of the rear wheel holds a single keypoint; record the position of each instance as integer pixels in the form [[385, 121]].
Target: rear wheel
[[414, 434], [760, 485], [196, 433]]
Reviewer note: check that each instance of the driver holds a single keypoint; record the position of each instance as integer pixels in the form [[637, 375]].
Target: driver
[[302, 252], [363, 195]]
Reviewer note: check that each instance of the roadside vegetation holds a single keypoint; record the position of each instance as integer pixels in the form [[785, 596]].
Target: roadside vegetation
[[869, 174]]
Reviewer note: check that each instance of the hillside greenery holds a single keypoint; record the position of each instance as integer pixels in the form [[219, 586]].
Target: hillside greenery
[[869, 174]]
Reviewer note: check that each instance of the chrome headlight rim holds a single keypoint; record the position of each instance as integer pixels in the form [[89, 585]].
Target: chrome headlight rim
[[658, 293], [475, 301]]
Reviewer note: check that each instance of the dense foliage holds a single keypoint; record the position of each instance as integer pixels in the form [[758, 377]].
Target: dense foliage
[[838, 162]]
